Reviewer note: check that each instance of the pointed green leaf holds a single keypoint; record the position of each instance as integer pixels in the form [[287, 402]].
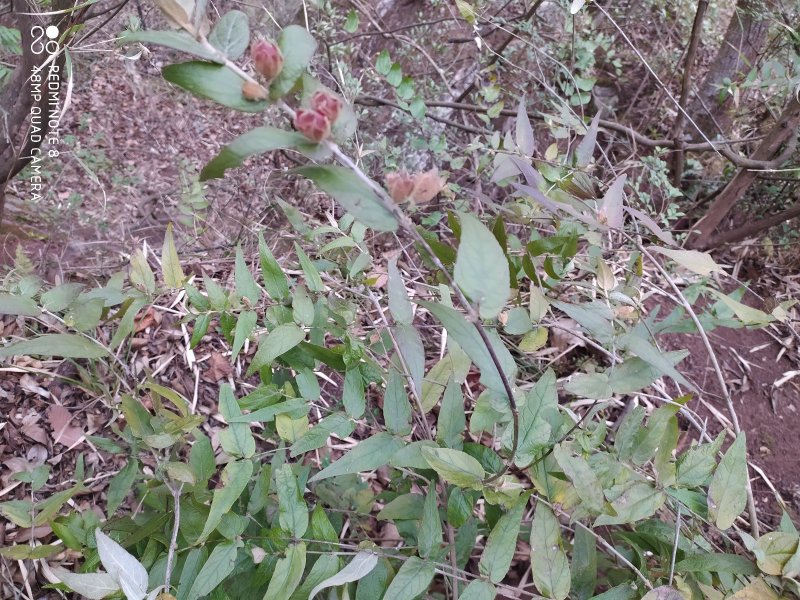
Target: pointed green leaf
[[237, 440], [11, 304], [277, 342], [235, 477], [501, 543], [396, 407], [214, 571], [246, 285], [455, 467], [549, 565], [368, 455], [361, 565], [170, 263], [313, 280], [298, 47], [411, 580], [452, 417], [120, 485], [481, 267], [399, 304], [67, 345], [292, 509], [582, 477], [727, 494], [355, 196], [271, 273], [429, 538], [231, 34], [288, 573], [211, 81]]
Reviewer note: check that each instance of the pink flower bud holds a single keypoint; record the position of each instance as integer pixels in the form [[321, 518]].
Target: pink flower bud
[[254, 92], [400, 185], [326, 103], [312, 124], [267, 58]]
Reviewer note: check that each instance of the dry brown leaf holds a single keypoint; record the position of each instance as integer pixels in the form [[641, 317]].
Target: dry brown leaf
[[218, 368], [427, 185], [29, 384], [63, 432], [32, 429]]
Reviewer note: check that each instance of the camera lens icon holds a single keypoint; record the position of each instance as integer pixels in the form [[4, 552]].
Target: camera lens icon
[[51, 32]]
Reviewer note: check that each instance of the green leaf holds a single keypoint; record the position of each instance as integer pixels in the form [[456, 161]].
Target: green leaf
[[18, 512], [268, 413], [383, 63], [481, 267], [455, 467], [634, 374], [11, 304], [478, 590], [201, 458], [411, 580], [317, 436], [361, 565], [524, 137], [368, 455], [89, 585], [195, 559], [292, 509], [610, 211], [218, 566], [25, 552], [399, 304], [355, 196], [246, 285], [170, 263], [638, 501], [351, 24], [353, 397], [288, 573], [122, 566], [302, 306], [501, 543], [410, 456], [452, 417], [58, 298], [298, 47], [549, 565], [235, 477], [120, 486], [595, 317], [697, 262], [697, 464], [470, 341], [211, 81], [773, 550], [590, 385], [585, 150], [746, 314], [325, 567], [256, 141], [396, 408], [582, 477], [727, 494], [716, 562], [648, 353], [231, 34], [67, 345], [535, 416], [405, 507], [245, 324], [584, 563], [429, 537], [409, 345], [237, 439], [178, 40], [277, 342], [271, 273], [313, 279]]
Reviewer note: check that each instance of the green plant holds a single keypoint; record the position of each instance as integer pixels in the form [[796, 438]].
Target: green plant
[[288, 515]]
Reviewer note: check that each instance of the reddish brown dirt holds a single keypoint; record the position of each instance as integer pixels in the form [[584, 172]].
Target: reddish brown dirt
[[769, 414]]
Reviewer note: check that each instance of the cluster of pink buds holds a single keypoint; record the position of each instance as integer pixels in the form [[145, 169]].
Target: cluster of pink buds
[[267, 58], [315, 122]]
